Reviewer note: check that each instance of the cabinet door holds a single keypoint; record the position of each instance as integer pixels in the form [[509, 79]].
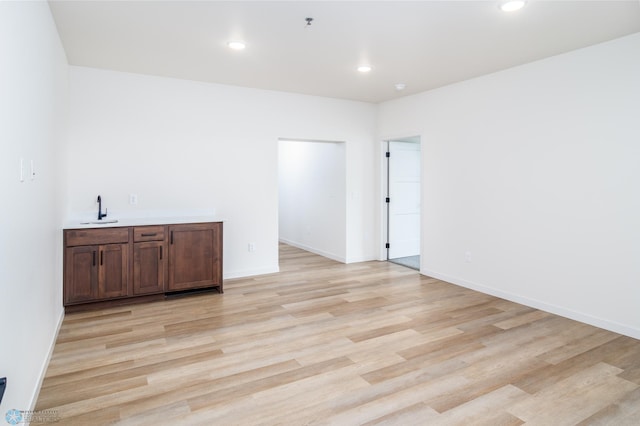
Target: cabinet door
[[195, 259], [148, 267], [113, 277], [80, 274]]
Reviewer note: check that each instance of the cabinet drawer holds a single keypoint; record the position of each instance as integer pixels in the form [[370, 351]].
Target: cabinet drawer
[[87, 237], [148, 233]]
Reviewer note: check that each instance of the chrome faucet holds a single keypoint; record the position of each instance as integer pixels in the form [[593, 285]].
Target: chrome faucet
[[100, 214]]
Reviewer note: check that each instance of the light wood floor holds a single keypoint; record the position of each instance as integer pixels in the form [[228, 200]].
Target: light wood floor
[[327, 343]]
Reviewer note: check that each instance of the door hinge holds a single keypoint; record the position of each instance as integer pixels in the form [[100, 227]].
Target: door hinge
[[387, 245], [387, 200], [387, 154]]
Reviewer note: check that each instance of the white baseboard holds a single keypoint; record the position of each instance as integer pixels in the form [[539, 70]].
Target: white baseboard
[[45, 364], [314, 250], [544, 306], [250, 272], [363, 259]]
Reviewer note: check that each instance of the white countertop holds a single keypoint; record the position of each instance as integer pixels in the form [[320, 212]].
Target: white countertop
[[139, 221]]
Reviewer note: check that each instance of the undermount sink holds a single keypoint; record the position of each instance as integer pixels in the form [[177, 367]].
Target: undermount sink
[[99, 222]]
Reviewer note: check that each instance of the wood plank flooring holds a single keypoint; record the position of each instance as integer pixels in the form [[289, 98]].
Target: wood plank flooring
[[326, 343]]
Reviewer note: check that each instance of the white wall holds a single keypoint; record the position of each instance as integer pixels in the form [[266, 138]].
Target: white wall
[[185, 146], [312, 197], [534, 170], [33, 112]]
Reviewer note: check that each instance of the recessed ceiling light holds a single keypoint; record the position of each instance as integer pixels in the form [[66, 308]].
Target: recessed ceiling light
[[236, 45], [364, 68], [400, 87], [512, 5]]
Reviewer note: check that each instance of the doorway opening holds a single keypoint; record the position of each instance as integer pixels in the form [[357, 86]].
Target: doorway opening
[[312, 196], [403, 201]]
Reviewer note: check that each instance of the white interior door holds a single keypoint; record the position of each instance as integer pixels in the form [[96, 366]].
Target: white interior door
[[404, 199]]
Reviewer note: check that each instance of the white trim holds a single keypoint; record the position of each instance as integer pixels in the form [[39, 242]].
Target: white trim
[[250, 272], [537, 304], [45, 364], [313, 250], [309, 140], [364, 259], [382, 188]]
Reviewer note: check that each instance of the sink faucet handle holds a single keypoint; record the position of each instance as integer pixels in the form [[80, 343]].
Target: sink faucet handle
[[100, 214]]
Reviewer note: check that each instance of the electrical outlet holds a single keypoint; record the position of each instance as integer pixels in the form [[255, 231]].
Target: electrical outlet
[[251, 247], [133, 199], [467, 256]]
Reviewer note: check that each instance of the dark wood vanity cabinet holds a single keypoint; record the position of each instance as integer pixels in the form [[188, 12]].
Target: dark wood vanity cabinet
[[195, 256], [121, 263], [80, 274], [96, 265], [149, 260], [113, 271]]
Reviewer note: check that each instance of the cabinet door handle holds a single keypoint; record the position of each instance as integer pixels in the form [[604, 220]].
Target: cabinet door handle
[[94, 258], [171, 237], [149, 235], [160, 252], [101, 257]]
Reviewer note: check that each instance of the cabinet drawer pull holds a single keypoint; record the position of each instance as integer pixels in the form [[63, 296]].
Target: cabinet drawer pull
[[149, 235]]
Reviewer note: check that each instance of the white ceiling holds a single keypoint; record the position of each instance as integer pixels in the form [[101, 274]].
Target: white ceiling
[[424, 44]]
